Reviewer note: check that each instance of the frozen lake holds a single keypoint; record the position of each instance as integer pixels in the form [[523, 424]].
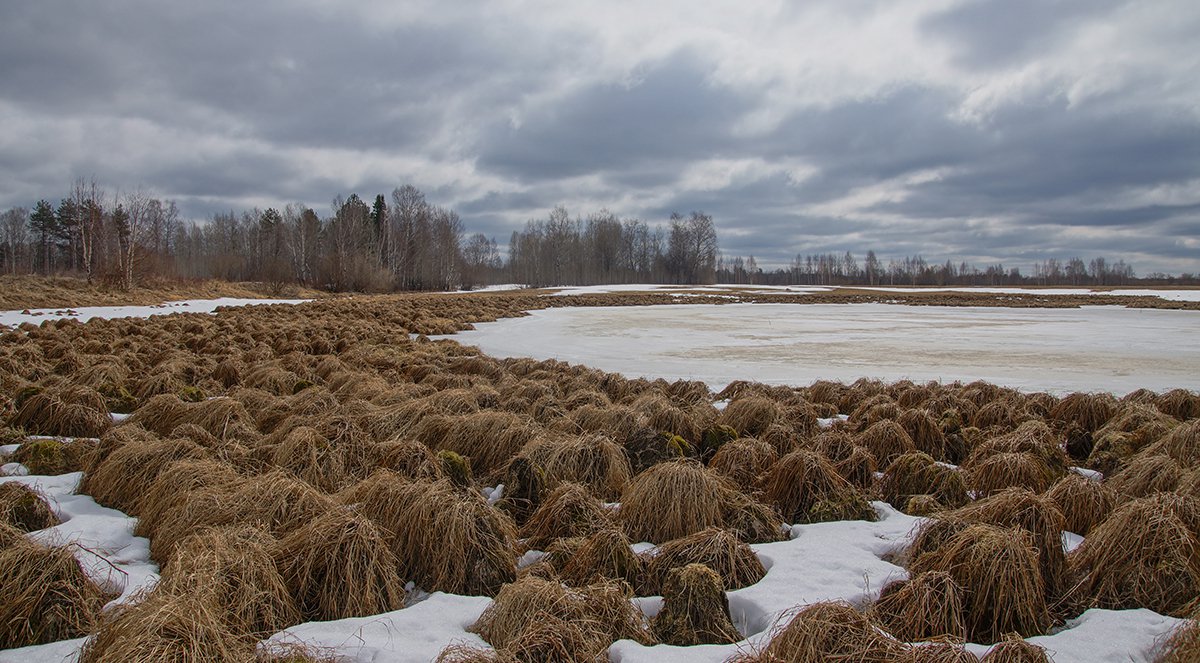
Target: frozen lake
[[1058, 350]]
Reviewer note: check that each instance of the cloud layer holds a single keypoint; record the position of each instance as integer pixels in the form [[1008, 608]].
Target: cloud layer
[[984, 130]]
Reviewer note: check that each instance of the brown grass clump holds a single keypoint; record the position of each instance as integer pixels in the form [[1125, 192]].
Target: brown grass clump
[[277, 502], [827, 631], [675, 499], [695, 610], [1014, 649], [444, 539], [751, 414], [595, 461], [856, 464], [489, 438], [48, 457], [918, 474], [925, 432], [69, 412], [605, 555], [234, 567], [1084, 503], [887, 441], [999, 471], [719, 550], [25, 508], [1145, 475], [164, 628], [1183, 646], [408, 458], [10, 536], [1179, 403], [997, 569], [999, 414], [339, 566], [568, 511], [306, 454], [170, 491], [122, 480], [1089, 411], [1145, 555], [1181, 444], [596, 615], [928, 606], [1035, 514], [806, 488], [744, 460], [937, 652], [47, 596]]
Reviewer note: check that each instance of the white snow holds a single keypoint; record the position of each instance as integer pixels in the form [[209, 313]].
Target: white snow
[[85, 313], [416, 633], [683, 289], [101, 538], [1057, 350], [1104, 636]]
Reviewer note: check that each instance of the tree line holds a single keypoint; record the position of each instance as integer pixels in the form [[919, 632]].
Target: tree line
[[844, 269], [396, 242], [404, 242]]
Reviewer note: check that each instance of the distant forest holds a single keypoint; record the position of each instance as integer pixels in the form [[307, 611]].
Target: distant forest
[[402, 242]]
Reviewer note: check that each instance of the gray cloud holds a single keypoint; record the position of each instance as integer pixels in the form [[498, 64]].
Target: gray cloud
[[987, 131]]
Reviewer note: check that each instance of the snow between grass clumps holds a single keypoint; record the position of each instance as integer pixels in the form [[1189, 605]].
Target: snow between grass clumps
[[85, 313]]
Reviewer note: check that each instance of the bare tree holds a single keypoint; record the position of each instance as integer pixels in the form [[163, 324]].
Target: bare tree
[[16, 239]]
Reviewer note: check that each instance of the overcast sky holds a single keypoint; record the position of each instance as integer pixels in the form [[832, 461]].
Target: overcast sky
[[1006, 130]]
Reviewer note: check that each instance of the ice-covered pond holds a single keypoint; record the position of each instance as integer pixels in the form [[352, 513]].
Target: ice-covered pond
[[1058, 350]]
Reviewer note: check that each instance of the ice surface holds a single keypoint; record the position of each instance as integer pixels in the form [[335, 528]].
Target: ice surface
[[1057, 350], [85, 313]]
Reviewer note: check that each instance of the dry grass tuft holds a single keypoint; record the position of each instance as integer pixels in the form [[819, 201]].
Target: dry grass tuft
[[675, 499], [1183, 646], [925, 432], [122, 480], [168, 495], [1084, 503], [937, 652], [234, 566], [929, 606], [1179, 403], [408, 458], [1145, 555], [595, 461], [695, 610], [445, 539], [605, 555], [751, 414], [1014, 649], [306, 454], [827, 631], [340, 566], [24, 508], [1089, 411], [68, 412], [164, 628], [994, 472], [1182, 444], [719, 550], [887, 441], [997, 569], [1145, 475], [47, 596], [916, 474], [1035, 514], [569, 511], [807, 489], [744, 460], [596, 615], [489, 438]]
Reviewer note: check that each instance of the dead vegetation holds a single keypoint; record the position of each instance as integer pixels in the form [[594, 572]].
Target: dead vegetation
[[320, 449]]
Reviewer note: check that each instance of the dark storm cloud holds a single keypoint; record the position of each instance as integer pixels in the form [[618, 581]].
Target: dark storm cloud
[[989, 34], [988, 131], [673, 114]]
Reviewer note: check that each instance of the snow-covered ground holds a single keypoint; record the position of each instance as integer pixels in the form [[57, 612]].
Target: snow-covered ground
[[85, 313], [1058, 350], [1186, 295], [674, 289]]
